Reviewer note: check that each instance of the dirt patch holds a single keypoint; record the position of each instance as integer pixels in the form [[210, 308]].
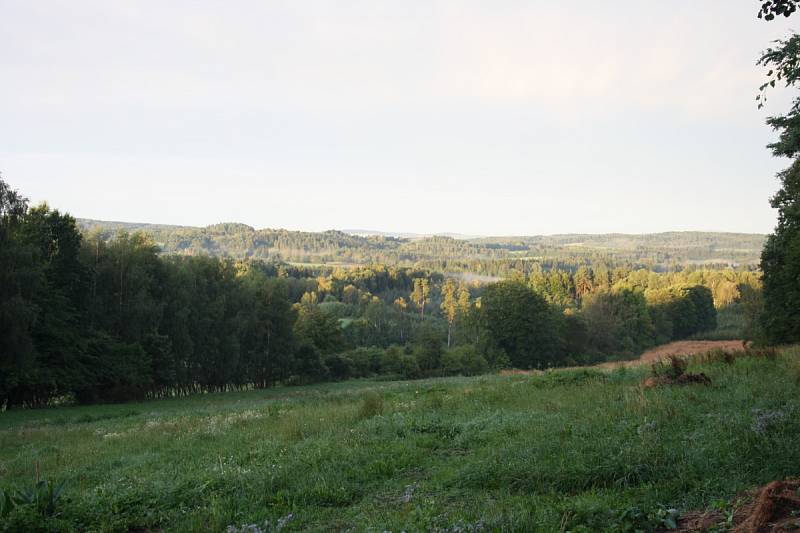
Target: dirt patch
[[517, 372], [774, 508], [678, 348], [689, 348]]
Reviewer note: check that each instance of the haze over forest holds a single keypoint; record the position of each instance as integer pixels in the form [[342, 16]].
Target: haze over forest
[[479, 255]]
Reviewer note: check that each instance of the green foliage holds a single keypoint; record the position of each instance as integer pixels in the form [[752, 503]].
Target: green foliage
[[43, 497], [520, 322], [319, 329], [631, 519], [486, 256], [409, 368], [780, 259], [365, 361], [673, 369], [106, 317], [371, 405], [391, 360], [682, 311], [428, 349], [464, 360], [618, 322]]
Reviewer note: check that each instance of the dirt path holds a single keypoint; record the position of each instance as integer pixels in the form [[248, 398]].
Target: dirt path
[[677, 348]]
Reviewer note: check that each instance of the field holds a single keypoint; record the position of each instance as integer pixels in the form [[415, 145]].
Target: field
[[679, 348], [571, 450]]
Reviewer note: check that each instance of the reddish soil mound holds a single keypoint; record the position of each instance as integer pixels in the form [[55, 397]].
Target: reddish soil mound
[[774, 508]]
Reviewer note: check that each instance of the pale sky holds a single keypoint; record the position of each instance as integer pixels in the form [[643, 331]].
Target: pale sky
[[502, 117]]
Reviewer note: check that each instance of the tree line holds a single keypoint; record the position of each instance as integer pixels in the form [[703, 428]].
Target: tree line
[[496, 256], [96, 317]]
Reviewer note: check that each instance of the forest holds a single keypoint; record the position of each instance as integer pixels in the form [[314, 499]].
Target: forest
[[492, 256], [98, 315]]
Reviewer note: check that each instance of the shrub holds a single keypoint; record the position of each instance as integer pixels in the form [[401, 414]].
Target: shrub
[[409, 368], [371, 405], [794, 370], [452, 362], [718, 355], [674, 369], [428, 350], [763, 353], [464, 360], [391, 360], [365, 361], [42, 497], [339, 366]]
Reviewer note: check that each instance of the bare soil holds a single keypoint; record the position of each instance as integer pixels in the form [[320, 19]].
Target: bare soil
[[678, 348], [773, 508]]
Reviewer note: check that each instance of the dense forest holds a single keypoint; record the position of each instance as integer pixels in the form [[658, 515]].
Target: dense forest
[[489, 256], [93, 315]]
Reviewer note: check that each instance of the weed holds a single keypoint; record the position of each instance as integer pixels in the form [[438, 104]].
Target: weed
[[266, 527], [718, 355], [793, 369], [765, 420], [769, 353], [371, 405], [674, 369], [43, 497]]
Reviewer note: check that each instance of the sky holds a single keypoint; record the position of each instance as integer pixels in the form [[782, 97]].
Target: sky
[[482, 118]]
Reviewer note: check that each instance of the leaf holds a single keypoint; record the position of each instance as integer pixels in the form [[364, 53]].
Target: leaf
[[58, 490]]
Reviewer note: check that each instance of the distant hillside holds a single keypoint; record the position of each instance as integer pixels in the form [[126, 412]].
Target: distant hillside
[[483, 255], [411, 236]]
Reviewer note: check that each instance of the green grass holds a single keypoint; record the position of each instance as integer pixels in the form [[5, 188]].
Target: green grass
[[578, 450]]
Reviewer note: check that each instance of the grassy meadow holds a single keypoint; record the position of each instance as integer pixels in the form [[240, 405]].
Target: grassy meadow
[[568, 450]]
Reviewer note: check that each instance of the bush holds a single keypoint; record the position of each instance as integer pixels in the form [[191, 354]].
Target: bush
[[673, 370], [428, 349], [391, 360], [474, 363], [452, 362], [366, 362], [409, 368], [371, 405], [339, 366], [307, 364], [464, 360], [42, 498], [522, 324]]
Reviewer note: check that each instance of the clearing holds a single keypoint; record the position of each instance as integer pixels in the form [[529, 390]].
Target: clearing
[[570, 450]]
